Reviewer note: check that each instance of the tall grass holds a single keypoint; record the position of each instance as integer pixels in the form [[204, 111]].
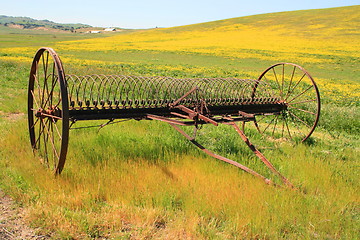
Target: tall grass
[[139, 180]]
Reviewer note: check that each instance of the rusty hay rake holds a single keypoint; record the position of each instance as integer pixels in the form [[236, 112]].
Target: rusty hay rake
[[284, 102]]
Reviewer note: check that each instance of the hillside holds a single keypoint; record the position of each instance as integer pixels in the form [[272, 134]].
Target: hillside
[[305, 36], [30, 23]]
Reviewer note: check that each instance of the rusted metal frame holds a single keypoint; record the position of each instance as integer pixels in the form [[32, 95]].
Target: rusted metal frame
[[259, 154], [140, 113], [183, 97], [195, 115], [224, 159]]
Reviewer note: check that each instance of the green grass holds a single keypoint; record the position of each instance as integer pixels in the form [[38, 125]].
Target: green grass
[[142, 179]]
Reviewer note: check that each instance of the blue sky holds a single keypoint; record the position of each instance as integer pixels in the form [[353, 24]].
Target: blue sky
[[154, 13]]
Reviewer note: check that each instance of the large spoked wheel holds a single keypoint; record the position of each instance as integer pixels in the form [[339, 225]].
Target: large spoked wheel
[[297, 92], [48, 109]]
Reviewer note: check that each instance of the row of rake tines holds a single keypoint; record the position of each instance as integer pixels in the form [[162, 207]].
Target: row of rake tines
[[118, 91]]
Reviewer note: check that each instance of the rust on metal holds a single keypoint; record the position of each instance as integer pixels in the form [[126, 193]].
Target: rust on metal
[[284, 102]]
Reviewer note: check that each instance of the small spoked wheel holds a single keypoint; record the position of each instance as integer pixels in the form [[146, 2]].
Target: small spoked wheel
[[48, 109], [296, 91]]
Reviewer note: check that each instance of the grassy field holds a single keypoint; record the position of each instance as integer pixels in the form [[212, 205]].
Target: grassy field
[[139, 180]]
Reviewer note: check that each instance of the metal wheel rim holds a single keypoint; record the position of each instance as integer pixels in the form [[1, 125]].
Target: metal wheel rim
[[48, 109], [298, 90]]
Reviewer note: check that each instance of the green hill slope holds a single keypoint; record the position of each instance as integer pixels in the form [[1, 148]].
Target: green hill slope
[[30, 23]]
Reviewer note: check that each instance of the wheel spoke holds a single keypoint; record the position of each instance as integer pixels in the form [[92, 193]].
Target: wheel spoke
[[287, 127], [41, 131], [36, 121], [276, 118], [301, 99], [53, 84], [277, 81], [283, 126], [263, 117], [45, 138], [282, 80], [305, 101], [268, 125], [300, 94], [292, 77], [296, 85], [56, 128], [36, 103], [300, 119], [52, 143], [50, 94], [303, 110]]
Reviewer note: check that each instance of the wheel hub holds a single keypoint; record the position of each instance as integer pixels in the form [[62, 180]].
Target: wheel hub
[[52, 112]]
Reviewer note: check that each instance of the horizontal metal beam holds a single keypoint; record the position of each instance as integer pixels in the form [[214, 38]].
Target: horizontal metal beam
[[142, 113]]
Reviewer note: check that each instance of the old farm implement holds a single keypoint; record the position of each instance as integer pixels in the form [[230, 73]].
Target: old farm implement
[[283, 102]]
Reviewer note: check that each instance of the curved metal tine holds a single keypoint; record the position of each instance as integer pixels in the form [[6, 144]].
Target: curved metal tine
[[132, 88], [246, 86], [103, 98], [230, 87], [122, 81], [78, 87], [140, 82], [70, 86], [114, 89], [240, 85], [142, 87], [101, 86], [170, 88], [190, 84], [238, 90], [84, 93], [259, 154], [267, 83], [158, 88], [209, 88], [232, 162], [129, 91], [221, 89], [96, 80], [112, 93], [147, 89]]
